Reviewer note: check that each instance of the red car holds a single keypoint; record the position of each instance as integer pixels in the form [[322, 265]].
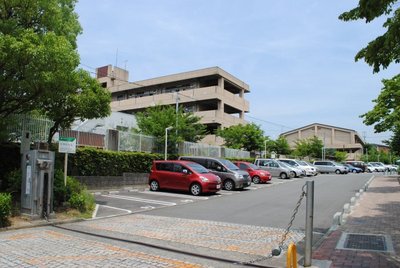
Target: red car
[[257, 174], [183, 175]]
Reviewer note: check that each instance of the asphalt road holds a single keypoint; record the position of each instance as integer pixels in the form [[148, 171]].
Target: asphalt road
[[273, 206], [261, 205]]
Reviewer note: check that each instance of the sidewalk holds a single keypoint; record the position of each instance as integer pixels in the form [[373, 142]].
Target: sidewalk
[[370, 237]]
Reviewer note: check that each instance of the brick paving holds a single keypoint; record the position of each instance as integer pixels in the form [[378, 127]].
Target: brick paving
[[247, 239], [41, 247], [377, 212]]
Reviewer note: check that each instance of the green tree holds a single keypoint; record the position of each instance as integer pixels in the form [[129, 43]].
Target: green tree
[[380, 53], [340, 156], [85, 99], [311, 147], [394, 141], [154, 120], [39, 60], [282, 146], [249, 137]]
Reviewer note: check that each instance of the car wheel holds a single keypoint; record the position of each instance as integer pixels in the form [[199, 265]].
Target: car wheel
[[354, 171], [283, 175], [229, 185], [195, 189], [292, 174], [154, 186], [256, 179], [337, 171]]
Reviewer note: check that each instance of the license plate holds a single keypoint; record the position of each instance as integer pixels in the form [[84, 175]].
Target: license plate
[[218, 186]]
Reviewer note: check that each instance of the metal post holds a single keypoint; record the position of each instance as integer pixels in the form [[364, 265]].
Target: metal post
[[65, 168], [309, 223]]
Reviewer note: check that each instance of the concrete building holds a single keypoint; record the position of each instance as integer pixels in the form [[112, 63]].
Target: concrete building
[[212, 93], [338, 138]]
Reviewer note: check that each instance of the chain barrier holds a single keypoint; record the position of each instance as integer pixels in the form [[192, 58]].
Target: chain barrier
[[277, 251]]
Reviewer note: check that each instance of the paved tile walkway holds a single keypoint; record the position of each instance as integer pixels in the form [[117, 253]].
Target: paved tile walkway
[[41, 247], [377, 212], [223, 236]]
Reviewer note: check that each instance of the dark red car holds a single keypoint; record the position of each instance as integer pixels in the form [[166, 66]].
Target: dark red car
[[183, 175], [257, 174]]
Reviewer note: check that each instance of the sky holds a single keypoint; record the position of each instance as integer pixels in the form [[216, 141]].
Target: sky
[[296, 56]]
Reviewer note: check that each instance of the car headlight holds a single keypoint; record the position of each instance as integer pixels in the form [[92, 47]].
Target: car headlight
[[262, 173], [238, 176], [204, 179]]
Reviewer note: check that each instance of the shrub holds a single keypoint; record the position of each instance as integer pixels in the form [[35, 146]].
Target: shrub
[[13, 181], [5, 209], [84, 201]]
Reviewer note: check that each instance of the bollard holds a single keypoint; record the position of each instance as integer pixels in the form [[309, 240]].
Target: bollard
[[309, 223], [291, 258]]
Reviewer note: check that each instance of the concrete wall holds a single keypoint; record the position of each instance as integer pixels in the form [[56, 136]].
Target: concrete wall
[[114, 182]]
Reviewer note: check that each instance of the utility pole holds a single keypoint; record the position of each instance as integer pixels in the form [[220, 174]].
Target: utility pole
[[176, 118]]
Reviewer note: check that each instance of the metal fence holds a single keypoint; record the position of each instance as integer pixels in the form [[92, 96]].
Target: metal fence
[[128, 141], [38, 126], [199, 149]]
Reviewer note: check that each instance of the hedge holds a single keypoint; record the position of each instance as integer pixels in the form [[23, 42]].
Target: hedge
[[5, 209], [94, 162]]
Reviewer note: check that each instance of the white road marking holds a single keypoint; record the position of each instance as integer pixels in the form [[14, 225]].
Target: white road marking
[[126, 210], [95, 211], [136, 199], [147, 207], [174, 195]]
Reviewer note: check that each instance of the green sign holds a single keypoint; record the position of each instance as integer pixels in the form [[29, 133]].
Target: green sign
[[67, 145]]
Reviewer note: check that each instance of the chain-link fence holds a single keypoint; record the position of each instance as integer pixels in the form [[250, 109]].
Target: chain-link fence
[[199, 149]]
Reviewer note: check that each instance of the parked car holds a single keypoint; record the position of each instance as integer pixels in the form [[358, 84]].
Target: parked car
[[232, 177], [353, 169], [310, 169], [358, 164], [330, 167], [382, 167], [378, 167], [183, 175], [295, 170], [257, 174], [274, 167], [370, 168]]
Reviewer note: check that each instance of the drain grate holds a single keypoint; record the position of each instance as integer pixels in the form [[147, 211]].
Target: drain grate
[[369, 242]]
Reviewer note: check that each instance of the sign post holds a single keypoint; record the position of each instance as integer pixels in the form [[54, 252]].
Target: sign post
[[68, 146]]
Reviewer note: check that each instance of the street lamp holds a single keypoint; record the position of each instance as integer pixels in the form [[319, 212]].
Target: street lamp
[[166, 141], [265, 148]]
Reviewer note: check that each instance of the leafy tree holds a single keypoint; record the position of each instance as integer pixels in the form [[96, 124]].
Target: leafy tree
[[282, 146], [340, 156], [394, 141], [249, 137], [38, 64], [379, 54], [85, 99], [154, 120], [311, 147]]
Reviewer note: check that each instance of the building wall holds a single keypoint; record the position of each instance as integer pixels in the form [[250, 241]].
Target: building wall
[[211, 93]]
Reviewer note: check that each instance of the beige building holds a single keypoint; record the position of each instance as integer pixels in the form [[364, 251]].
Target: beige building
[[338, 138], [212, 93]]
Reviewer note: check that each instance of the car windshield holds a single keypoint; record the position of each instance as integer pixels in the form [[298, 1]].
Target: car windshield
[[229, 164], [198, 168], [303, 163], [284, 164], [253, 166]]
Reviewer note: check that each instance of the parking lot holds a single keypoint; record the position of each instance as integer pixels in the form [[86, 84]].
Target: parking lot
[[122, 202]]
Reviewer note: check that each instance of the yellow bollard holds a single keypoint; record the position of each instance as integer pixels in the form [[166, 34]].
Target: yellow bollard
[[291, 258]]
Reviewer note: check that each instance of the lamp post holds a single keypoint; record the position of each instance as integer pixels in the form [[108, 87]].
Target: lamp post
[[166, 141], [265, 148]]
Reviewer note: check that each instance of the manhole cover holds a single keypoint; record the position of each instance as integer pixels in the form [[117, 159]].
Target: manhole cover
[[371, 242]]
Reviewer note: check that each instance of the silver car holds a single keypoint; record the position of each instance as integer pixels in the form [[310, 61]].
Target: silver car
[[274, 167], [330, 167], [294, 167]]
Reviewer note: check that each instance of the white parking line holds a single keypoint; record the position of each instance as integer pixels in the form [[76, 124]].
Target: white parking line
[[175, 195], [141, 200]]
